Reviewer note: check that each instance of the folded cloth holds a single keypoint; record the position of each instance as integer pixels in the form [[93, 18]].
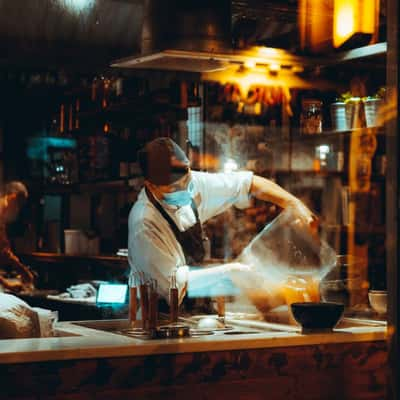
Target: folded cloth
[[82, 291]]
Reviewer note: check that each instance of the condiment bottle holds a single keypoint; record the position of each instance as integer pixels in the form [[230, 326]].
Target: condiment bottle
[[132, 299], [153, 305], [173, 298], [311, 117], [144, 301], [220, 300]]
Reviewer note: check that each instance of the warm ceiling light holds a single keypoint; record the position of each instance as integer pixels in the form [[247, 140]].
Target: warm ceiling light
[[250, 64], [274, 67], [297, 69], [267, 51], [345, 24], [354, 20]]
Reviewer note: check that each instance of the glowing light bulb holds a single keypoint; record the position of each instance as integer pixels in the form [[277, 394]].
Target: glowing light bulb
[[250, 64], [274, 67], [267, 51]]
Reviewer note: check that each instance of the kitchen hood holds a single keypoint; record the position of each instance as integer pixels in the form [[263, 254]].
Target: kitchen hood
[[195, 36]]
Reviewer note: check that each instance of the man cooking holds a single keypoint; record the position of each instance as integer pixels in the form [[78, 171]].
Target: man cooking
[[165, 223]]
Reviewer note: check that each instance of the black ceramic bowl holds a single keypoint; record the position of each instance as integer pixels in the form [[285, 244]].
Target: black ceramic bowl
[[317, 317]]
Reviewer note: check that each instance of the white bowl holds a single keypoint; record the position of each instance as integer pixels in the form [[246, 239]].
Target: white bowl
[[378, 300]]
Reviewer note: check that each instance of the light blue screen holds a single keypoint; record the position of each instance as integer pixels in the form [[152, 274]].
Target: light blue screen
[[112, 293]]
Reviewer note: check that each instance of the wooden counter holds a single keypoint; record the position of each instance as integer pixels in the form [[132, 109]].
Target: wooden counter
[[346, 364]]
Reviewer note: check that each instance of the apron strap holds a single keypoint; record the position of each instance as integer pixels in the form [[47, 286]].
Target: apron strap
[[166, 216]]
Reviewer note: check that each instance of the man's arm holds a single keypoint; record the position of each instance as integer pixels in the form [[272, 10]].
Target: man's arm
[[7, 257], [264, 189], [26, 275]]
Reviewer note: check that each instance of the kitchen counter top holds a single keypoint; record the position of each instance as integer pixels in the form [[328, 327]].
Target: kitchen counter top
[[79, 342]]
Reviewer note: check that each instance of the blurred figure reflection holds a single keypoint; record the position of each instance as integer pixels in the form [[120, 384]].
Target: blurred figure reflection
[[14, 275]]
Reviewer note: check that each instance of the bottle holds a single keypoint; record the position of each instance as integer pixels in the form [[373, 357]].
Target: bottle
[[153, 305], [132, 299], [124, 152], [311, 117], [144, 301], [173, 298]]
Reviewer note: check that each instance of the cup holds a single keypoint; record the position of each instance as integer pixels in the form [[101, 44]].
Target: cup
[[338, 116], [72, 241], [371, 109]]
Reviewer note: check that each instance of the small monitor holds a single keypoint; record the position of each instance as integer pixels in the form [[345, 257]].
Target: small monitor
[[112, 293]]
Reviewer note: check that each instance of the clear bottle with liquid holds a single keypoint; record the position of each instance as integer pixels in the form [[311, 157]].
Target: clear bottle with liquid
[[173, 298]]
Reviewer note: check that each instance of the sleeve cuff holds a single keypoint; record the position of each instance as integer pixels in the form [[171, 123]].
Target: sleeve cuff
[[243, 200]]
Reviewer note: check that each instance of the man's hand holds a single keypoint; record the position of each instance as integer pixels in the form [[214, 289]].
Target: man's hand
[[27, 275], [305, 215]]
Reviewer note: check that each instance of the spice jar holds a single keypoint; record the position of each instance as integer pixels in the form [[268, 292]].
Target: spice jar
[[311, 117]]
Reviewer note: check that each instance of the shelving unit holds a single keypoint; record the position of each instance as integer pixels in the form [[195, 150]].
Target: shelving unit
[[56, 258], [117, 185]]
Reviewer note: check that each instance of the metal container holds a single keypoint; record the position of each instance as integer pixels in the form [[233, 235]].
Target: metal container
[[338, 116], [371, 109]]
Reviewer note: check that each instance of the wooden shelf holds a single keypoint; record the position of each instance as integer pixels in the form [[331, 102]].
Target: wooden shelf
[[116, 185], [325, 135], [359, 53], [305, 172], [119, 261], [373, 230]]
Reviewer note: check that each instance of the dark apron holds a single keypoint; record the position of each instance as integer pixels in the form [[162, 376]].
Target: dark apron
[[192, 243], [190, 240]]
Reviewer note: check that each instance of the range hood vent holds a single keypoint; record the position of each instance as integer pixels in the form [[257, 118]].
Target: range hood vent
[[194, 36], [174, 31]]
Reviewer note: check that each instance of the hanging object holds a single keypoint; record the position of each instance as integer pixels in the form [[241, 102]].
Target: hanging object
[[355, 22], [315, 25], [342, 24]]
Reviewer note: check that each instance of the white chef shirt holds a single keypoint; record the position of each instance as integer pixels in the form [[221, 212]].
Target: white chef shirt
[[152, 245]]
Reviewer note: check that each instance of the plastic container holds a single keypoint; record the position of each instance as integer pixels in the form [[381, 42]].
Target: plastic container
[[72, 241], [287, 261], [78, 242], [287, 247]]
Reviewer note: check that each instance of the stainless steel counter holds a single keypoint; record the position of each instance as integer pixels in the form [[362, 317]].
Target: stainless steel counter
[[94, 339]]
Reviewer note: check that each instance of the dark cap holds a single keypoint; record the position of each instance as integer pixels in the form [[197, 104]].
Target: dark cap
[[163, 162]]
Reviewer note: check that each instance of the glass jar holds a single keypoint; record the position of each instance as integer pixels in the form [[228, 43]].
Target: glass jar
[[311, 117]]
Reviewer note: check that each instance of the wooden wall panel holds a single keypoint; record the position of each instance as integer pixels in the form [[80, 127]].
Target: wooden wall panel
[[333, 371]]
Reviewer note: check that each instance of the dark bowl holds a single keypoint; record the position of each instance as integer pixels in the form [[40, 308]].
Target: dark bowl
[[317, 317]]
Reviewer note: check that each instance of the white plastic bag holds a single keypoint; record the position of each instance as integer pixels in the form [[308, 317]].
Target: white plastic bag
[[17, 318]]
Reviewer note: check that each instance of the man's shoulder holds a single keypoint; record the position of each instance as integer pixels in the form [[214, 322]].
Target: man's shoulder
[[142, 213]]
